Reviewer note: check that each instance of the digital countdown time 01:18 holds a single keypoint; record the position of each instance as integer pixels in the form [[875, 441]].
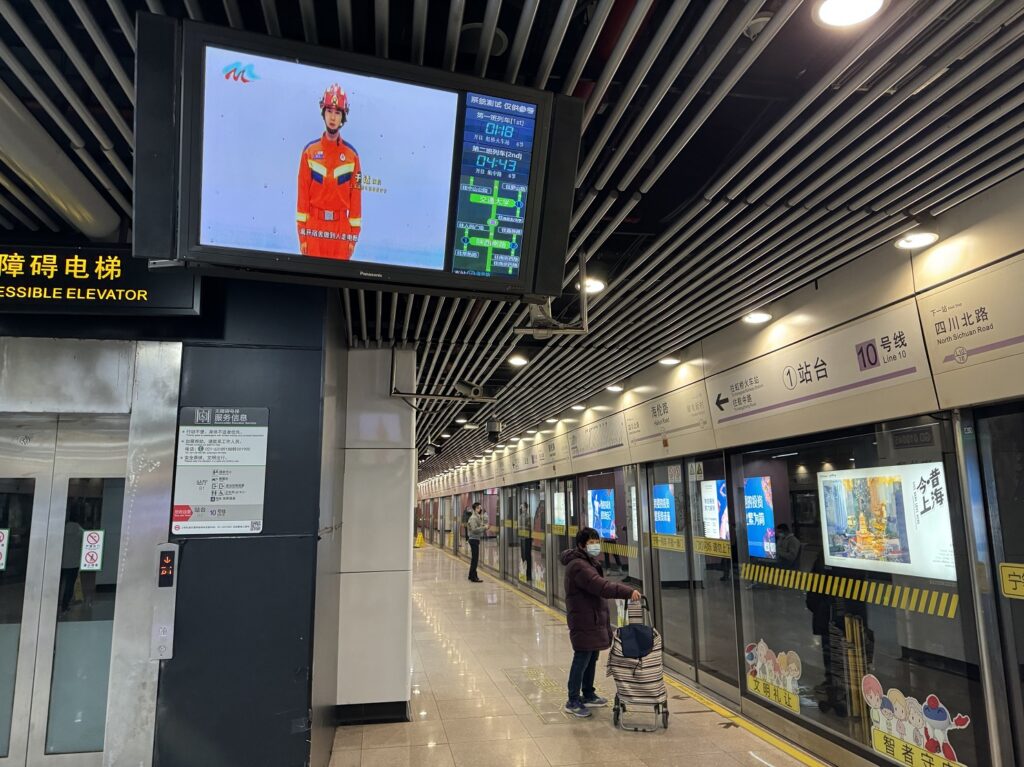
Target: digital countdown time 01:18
[[494, 180]]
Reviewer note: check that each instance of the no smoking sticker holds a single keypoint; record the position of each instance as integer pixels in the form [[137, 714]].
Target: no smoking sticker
[[92, 550], [5, 536]]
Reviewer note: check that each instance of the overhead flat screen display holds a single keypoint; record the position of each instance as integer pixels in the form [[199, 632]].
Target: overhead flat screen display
[[891, 519], [324, 163]]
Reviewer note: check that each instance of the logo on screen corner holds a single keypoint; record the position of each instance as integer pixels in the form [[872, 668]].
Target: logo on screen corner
[[239, 73], [370, 274]]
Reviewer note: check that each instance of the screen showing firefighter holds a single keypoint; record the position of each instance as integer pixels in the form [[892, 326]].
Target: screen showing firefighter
[[303, 160]]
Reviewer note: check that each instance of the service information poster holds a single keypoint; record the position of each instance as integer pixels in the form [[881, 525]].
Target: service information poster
[[559, 509], [714, 500], [891, 519], [304, 160], [760, 511], [664, 501], [221, 471], [601, 510]]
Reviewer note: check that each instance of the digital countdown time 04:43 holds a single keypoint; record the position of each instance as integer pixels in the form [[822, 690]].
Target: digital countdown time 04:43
[[494, 179]]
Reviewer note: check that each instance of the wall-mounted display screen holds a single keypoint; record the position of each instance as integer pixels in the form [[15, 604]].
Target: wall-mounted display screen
[[324, 163], [760, 517], [663, 499], [714, 499], [891, 519], [601, 512]]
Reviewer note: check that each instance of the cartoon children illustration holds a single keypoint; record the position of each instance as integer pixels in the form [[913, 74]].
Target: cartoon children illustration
[[938, 723], [899, 713], [794, 669], [915, 723], [872, 690], [750, 656], [888, 715]]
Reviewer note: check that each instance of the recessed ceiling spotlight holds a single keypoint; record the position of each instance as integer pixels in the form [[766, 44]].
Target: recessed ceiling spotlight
[[666, 361], [461, 420], [615, 388], [531, 431], [551, 420], [499, 446], [757, 318], [916, 240], [518, 360], [471, 426], [594, 285], [846, 13], [579, 408], [446, 435]]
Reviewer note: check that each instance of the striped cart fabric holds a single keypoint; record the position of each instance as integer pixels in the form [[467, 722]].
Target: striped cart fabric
[[639, 682]]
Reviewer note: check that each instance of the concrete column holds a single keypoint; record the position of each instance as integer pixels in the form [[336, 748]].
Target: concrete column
[[375, 619]]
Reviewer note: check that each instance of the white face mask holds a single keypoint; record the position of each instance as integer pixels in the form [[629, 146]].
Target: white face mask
[[593, 549]]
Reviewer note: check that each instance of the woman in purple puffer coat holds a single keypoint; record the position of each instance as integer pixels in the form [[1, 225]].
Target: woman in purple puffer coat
[[590, 631]]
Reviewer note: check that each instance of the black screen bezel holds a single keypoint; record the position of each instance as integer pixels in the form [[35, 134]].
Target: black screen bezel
[[196, 37]]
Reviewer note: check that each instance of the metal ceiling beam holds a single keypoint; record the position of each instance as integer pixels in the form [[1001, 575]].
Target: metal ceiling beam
[[103, 46], [618, 54], [380, 27], [451, 43], [234, 14], [594, 28], [555, 38], [522, 37], [419, 30], [27, 203], [490, 25], [74, 55], [195, 12], [345, 24], [123, 20], [308, 13], [270, 17]]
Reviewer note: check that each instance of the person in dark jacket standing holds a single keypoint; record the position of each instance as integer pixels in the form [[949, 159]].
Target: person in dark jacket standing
[[590, 631], [477, 527]]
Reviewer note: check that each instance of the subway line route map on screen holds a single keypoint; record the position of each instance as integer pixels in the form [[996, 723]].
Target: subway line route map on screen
[[494, 179]]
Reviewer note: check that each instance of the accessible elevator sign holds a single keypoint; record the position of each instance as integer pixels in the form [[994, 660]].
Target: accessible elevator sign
[[221, 471]]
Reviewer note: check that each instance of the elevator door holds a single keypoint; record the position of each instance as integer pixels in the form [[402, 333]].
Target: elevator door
[[61, 503]]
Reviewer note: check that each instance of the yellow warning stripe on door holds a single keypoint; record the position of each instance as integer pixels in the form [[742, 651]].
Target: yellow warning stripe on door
[[910, 598], [619, 549]]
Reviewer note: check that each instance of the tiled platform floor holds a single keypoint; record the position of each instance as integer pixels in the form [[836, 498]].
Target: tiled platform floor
[[488, 685]]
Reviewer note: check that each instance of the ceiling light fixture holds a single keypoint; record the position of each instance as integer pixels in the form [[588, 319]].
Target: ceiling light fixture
[[579, 408], [461, 420], [846, 13], [531, 431], [551, 420], [471, 426], [666, 361], [757, 318], [615, 388], [446, 435], [518, 360], [916, 240]]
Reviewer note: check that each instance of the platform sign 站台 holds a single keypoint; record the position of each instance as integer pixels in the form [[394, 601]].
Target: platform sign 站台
[[220, 471], [5, 537], [92, 551]]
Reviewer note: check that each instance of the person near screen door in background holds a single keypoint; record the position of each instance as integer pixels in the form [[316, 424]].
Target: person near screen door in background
[[476, 529], [328, 210], [526, 541], [70, 559], [788, 547]]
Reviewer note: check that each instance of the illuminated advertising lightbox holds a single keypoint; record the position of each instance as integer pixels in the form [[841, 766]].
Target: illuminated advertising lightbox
[[601, 512], [760, 517], [714, 499], [664, 504], [891, 519], [559, 509]]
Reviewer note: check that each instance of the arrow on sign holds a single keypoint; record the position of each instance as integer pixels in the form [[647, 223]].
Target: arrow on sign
[[721, 401]]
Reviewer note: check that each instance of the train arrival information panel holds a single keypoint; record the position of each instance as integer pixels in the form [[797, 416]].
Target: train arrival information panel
[[494, 180]]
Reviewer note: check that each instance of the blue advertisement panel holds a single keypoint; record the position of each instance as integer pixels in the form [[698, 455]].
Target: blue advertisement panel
[[760, 511], [601, 512], [664, 510]]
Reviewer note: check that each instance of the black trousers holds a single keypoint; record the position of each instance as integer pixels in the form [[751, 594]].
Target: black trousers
[[474, 559]]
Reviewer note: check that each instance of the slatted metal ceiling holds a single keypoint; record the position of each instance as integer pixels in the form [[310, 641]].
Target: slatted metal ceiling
[[733, 152]]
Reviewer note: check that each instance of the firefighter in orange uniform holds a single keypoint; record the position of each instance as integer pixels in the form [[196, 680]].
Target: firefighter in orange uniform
[[328, 212]]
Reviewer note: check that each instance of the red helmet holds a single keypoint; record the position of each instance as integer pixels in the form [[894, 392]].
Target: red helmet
[[334, 97]]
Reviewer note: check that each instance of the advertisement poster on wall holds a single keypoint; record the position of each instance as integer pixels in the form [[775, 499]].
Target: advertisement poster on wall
[[601, 512], [890, 519], [559, 509], [760, 517], [664, 502], [714, 500]]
